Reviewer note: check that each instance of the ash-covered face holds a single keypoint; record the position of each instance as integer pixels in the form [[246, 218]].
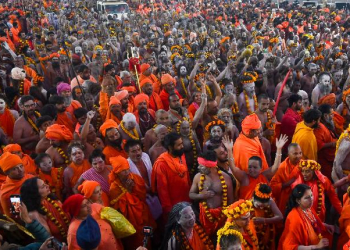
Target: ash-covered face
[[181, 42], [170, 42], [183, 71], [325, 84], [78, 50], [250, 89], [85, 46], [216, 133], [338, 76]]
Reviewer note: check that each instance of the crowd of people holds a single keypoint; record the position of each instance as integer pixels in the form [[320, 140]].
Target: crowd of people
[[204, 124]]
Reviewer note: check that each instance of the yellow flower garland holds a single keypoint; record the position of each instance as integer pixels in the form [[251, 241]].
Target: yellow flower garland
[[229, 231], [134, 137], [345, 134], [224, 196], [63, 155], [260, 194], [235, 108], [247, 103], [32, 124], [183, 85]]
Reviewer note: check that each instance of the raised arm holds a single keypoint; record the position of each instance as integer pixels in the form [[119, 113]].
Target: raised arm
[[269, 173], [199, 113], [218, 93], [85, 130]]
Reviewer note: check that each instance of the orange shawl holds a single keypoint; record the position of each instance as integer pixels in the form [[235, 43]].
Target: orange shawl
[[110, 151], [246, 192], [155, 102], [29, 165], [7, 122], [78, 170], [54, 180], [63, 119]]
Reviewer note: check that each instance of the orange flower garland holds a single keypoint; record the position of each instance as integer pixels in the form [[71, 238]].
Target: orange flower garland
[[183, 85], [249, 111], [134, 136], [63, 155]]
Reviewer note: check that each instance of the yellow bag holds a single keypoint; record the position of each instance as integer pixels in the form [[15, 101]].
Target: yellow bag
[[120, 225]]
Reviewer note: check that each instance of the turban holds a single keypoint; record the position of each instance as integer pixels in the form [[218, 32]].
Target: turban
[[12, 148], [140, 98], [121, 94], [8, 161], [328, 99], [72, 205], [345, 94], [114, 101], [224, 40], [63, 87], [144, 81], [250, 122], [107, 125], [168, 33], [54, 55], [58, 132], [18, 74], [88, 234], [145, 67], [87, 188], [130, 89], [119, 164], [166, 78]]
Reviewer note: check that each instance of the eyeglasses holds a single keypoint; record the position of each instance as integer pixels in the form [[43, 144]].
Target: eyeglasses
[[30, 105]]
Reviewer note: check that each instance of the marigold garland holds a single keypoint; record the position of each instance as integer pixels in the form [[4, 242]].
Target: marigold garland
[[260, 194], [134, 136], [262, 229], [183, 84], [235, 108], [225, 231], [310, 164], [214, 123], [224, 196], [21, 88], [63, 155], [249, 111], [320, 198]]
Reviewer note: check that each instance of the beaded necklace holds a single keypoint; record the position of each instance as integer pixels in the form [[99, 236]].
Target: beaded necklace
[[21, 88], [320, 197], [252, 237], [134, 136], [31, 123], [63, 155], [235, 108], [247, 103], [224, 196]]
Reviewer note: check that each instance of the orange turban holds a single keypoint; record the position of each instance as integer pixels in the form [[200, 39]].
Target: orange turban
[[144, 81], [87, 188], [8, 161], [168, 33], [119, 164], [166, 78], [250, 122], [224, 40], [12, 148], [130, 89], [328, 99], [145, 67], [58, 132], [114, 101], [345, 94], [121, 94], [109, 123], [140, 98]]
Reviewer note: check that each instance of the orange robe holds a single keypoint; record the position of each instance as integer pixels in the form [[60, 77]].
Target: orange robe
[[246, 192], [78, 170], [211, 227], [7, 122], [152, 79], [105, 110], [155, 102], [65, 119], [110, 151], [299, 231], [108, 240], [171, 180], [325, 155], [9, 42], [196, 242], [327, 189], [73, 106], [54, 180], [285, 173], [29, 165], [248, 238], [344, 223], [8, 188], [134, 207], [244, 148], [305, 137], [266, 233], [30, 73], [55, 231]]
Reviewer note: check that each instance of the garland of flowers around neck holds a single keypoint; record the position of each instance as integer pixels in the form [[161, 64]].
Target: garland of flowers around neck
[[63, 155], [235, 108], [202, 235], [54, 220], [30, 121], [247, 103], [253, 238], [21, 88], [224, 196], [183, 85], [135, 136], [194, 148]]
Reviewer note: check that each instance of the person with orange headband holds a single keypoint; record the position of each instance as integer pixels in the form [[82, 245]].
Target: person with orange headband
[[304, 134], [238, 218], [303, 228], [320, 185], [155, 102], [265, 216], [12, 166], [128, 195], [145, 117], [79, 208], [59, 137], [212, 195], [247, 144], [113, 140], [286, 174], [93, 192], [75, 169], [255, 174], [168, 84], [28, 162], [146, 73]]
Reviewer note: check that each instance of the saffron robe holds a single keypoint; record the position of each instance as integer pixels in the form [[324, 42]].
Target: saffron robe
[[246, 192], [305, 137], [78, 170]]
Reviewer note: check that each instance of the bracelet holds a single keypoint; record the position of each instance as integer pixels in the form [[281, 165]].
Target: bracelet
[[278, 154], [231, 159]]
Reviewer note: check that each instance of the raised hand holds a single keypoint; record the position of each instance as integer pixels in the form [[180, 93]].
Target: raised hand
[[90, 114], [281, 141], [228, 143]]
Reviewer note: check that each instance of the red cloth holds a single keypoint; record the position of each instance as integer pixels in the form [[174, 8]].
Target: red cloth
[[171, 180], [66, 120], [155, 102], [164, 96], [72, 205], [289, 122], [7, 122], [110, 151]]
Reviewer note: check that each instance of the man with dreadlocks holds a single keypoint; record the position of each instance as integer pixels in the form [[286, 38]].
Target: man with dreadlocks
[[213, 188], [182, 231]]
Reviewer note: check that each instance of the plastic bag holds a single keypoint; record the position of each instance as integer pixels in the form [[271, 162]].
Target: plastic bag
[[120, 225]]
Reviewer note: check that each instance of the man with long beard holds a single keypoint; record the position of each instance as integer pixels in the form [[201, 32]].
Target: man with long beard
[[63, 117], [64, 90]]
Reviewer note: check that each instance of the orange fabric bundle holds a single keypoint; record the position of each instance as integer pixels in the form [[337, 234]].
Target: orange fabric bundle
[[121, 94], [107, 125], [114, 101], [12, 148], [58, 132], [144, 81], [8, 161], [328, 99], [145, 67], [250, 122]]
